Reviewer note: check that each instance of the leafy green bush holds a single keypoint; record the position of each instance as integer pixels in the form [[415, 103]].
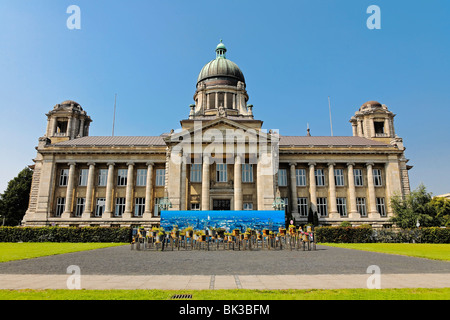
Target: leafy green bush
[[64, 234], [344, 234], [364, 234]]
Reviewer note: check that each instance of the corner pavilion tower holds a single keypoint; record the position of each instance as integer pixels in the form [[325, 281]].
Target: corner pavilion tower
[[220, 159]]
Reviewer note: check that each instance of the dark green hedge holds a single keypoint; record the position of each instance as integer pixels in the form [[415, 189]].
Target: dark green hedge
[[343, 234], [64, 234], [367, 234]]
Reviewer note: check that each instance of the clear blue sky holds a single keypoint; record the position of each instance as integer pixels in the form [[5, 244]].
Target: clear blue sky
[[294, 54]]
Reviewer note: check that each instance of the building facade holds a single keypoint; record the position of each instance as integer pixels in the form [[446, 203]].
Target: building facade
[[220, 159]]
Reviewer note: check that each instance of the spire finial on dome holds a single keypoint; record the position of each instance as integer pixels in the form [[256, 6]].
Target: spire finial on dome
[[220, 50]]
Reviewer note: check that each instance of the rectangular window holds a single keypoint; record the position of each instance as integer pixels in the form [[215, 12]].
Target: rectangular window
[[377, 177], [195, 206], [381, 207], [339, 177], [139, 207], [300, 177], [157, 210], [80, 207], [83, 177], [100, 207], [248, 206], [286, 203], [120, 207], [322, 209], [122, 177], [357, 173], [160, 177], [282, 177], [361, 206], [341, 204], [247, 172], [64, 177], [221, 172], [302, 206], [141, 177], [320, 178], [196, 172], [60, 206], [102, 177]]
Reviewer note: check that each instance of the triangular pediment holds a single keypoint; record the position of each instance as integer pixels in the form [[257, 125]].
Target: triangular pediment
[[224, 125]]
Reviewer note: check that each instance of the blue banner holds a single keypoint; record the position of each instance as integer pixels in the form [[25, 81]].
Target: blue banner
[[228, 220]]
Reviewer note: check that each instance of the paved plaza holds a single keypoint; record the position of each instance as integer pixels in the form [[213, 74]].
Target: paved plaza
[[324, 268]]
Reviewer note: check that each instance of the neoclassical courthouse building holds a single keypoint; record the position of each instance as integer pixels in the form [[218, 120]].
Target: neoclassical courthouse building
[[220, 159]]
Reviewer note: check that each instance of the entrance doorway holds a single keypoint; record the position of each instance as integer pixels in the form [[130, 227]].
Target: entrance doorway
[[221, 204]]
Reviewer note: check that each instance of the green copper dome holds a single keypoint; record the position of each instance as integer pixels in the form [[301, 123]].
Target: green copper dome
[[221, 67]]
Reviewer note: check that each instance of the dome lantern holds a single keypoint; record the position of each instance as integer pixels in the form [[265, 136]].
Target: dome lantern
[[220, 50]]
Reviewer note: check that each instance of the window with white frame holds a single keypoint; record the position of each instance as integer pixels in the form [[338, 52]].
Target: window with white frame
[[141, 177], [157, 210], [100, 207], [286, 203], [357, 174], [248, 206], [195, 206], [160, 177], [300, 177], [60, 206], [64, 177], [196, 172], [341, 204], [282, 177], [339, 177], [302, 204], [320, 177], [139, 207], [82, 181], [381, 208], [322, 209], [80, 207], [221, 172], [122, 177], [120, 207], [377, 181], [361, 206], [102, 177], [247, 172]]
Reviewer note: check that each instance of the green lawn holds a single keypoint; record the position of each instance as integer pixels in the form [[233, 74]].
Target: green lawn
[[421, 250], [18, 251], [238, 294]]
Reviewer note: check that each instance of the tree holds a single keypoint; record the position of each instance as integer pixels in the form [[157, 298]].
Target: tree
[[442, 207], [413, 208], [14, 201]]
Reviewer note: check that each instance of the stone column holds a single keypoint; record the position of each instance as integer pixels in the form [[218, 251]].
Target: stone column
[[69, 193], [207, 101], [129, 192], [294, 204], [312, 186], [69, 127], [371, 191], [183, 184], [81, 129], [238, 198], [148, 191], [109, 191], [332, 189], [234, 101], [353, 212], [205, 183], [89, 191], [225, 100], [216, 103]]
